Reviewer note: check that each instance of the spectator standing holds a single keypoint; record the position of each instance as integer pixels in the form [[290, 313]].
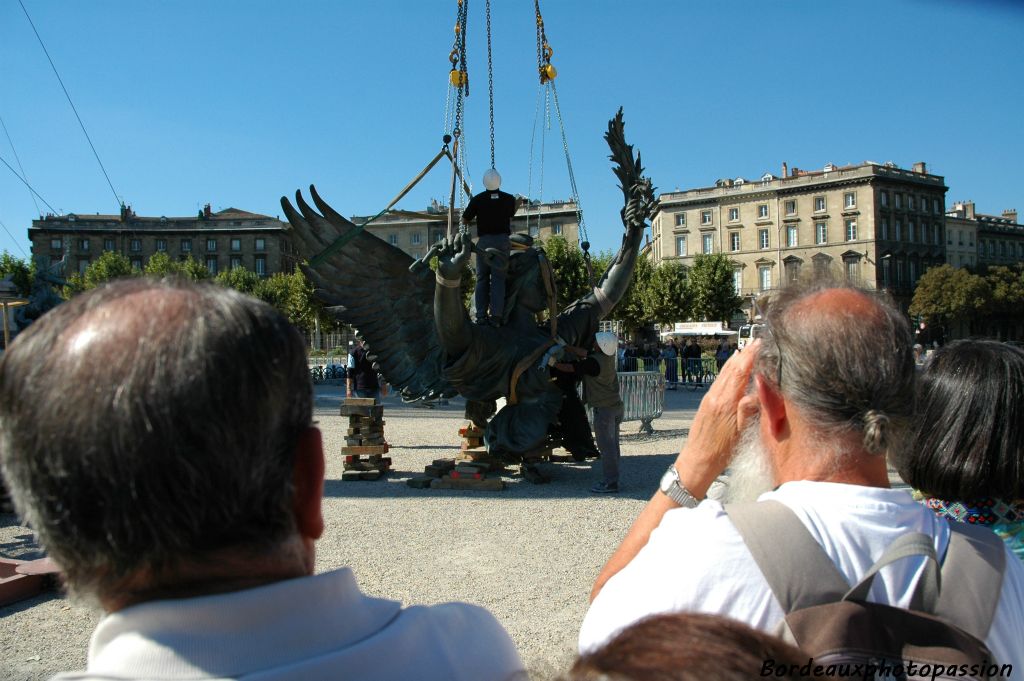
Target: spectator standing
[[601, 392], [671, 357], [361, 379], [967, 450], [181, 490], [820, 451]]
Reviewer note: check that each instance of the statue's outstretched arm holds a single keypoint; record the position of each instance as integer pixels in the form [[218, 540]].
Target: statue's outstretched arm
[[639, 206], [453, 325]]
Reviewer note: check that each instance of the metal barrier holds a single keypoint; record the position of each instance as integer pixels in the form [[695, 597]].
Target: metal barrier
[[643, 398]]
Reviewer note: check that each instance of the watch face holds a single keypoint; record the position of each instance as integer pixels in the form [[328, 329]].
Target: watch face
[[668, 478]]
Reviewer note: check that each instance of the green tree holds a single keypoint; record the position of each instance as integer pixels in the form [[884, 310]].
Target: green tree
[[109, 265], [569, 268], [162, 265], [20, 272], [1007, 286], [240, 279], [947, 295], [666, 299], [292, 295], [631, 309], [710, 288]]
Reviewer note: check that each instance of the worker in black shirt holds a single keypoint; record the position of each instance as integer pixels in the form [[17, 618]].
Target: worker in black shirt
[[493, 210]]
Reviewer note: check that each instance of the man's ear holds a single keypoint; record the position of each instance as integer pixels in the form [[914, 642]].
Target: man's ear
[[773, 409], [309, 483]]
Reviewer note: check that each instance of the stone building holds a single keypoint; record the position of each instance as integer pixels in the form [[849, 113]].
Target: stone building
[[876, 224], [999, 238], [220, 240], [413, 232]]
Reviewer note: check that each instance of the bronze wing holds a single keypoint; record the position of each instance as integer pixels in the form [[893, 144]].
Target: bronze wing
[[367, 283]]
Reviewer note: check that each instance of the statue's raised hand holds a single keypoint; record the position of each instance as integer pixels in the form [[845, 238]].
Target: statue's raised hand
[[454, 255]]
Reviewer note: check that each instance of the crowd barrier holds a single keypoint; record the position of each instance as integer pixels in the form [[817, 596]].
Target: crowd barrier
[[689, 373]]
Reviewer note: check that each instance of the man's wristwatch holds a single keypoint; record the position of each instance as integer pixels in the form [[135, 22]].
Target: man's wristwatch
[[674, 490]]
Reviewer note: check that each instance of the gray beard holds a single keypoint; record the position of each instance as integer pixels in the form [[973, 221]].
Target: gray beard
[[749, 473]]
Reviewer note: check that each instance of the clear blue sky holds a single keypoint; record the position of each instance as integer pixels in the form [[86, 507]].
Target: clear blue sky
[[237, 102]]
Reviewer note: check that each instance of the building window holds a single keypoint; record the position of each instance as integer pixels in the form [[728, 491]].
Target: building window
[[534, 231], [108, 244], [83, 245], [261, 265], [1002, 248], [708, 243], [417, 239], [936, 235], [901, 273], [439, 236], [853, 270], [762, 211], [705, 217], [161, 245], [236, 245], [83, 265], [236, 262], [260, 244], [790, 207], [936, 208], [764, 277], [680, 245], [734, 215], [211, 264], [186, 245], [135, 245], [737, 281], [851, 230], [734, 241], [211, 245], [792, 271], [136, 264], [821, 233], [791, 236], [883, 198], [57, 244], [885, 228], [393, 239], [819, 204], [911, 202], [886, 272], [680, 219], [899, 230], [850, 200], [899, 201], [762, 238], [556, 229], [913, 269]]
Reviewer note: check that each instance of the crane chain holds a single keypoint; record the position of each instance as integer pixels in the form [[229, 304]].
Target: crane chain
[[490, 78]]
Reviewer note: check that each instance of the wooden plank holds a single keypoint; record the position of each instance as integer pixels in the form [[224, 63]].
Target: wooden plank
[[421, 482], [372, 449], [371, 412], [359, 401]]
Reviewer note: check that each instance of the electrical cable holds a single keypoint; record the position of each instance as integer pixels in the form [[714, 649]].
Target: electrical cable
[[13, 239], [18, 160], [80, 123], [30, 187]]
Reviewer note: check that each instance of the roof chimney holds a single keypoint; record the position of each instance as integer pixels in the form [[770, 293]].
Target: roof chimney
[[206, 211], [1011, 215], [920, 168], [969, 210], [785, 169]]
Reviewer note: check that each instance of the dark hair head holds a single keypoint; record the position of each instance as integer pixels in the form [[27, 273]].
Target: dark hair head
[[147, 423], [843, 356], [968, 436], [686, 647]]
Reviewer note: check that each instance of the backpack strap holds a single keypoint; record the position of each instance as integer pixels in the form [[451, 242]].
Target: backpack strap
[[798, 571], [973, 569], [926, 593]]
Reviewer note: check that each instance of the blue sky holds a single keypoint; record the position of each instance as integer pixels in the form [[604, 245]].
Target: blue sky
[[238, 102]]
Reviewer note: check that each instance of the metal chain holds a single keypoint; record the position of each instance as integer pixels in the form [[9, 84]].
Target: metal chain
[[533, 138], [568, 163], [490, 78]]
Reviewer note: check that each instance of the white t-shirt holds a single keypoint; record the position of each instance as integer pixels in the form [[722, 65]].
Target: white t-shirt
[[696, 561], [319, 627]]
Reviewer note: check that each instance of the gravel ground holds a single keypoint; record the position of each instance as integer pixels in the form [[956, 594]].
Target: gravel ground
[[529, 554]]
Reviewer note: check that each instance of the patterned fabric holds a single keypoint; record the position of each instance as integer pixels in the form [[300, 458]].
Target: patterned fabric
[[1005, 519]]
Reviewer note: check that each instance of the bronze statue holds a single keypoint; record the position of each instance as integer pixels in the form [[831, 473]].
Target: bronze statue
[[418, 330]]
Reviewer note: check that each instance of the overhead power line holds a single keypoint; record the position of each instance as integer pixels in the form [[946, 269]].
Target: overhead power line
[[59, 80], [30, 187], [14, 240], [18, 160]]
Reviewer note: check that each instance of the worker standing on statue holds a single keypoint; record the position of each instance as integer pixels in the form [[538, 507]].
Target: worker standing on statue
[[493, 210]]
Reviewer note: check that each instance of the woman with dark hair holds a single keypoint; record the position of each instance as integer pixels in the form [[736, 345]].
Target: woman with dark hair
[[967, 452]]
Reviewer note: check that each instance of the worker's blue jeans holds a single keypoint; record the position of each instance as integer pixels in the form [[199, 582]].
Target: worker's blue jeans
[[490, 282]]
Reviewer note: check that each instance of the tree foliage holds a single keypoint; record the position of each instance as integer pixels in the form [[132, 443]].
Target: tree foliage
[[666, 300], [19, 271], [1007, 287], [710, 288], [240, 279], [569, 268], [631, 310], [947, 294]]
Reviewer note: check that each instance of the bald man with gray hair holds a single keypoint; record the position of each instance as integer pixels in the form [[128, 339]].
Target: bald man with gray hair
[[158, 437], [814, 409]]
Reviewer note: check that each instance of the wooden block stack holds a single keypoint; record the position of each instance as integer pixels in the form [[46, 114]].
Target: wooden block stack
[[452, 474], [473, 448], [365, 438]]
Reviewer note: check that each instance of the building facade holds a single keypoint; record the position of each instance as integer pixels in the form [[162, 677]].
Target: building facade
[[999, 238], [415, 232], [875, 224], [226, 239]]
